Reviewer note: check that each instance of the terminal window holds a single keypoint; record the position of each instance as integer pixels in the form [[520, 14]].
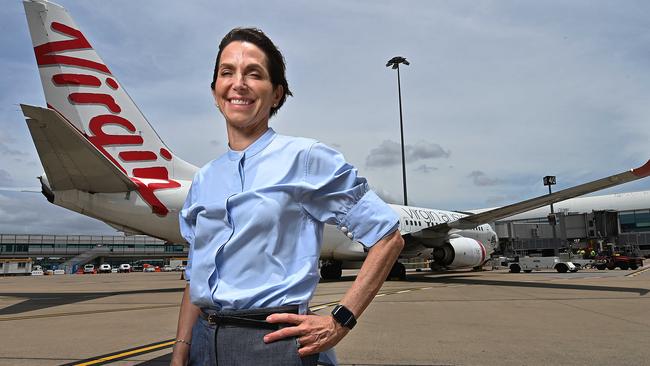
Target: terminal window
[[635, 221]]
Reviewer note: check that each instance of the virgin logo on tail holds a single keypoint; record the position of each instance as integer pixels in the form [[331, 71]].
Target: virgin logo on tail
[[46, 55]]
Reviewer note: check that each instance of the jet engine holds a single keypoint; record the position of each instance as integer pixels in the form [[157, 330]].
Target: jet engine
[[460, 252]]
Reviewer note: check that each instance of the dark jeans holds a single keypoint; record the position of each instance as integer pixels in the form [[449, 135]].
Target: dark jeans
[[241, 346]]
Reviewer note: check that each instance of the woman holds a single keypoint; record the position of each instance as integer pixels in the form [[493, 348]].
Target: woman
[[254, 221]]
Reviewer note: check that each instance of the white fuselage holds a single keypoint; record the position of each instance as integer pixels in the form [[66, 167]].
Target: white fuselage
[[128, 212]]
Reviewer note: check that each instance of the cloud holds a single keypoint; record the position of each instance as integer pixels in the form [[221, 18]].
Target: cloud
[[5, 150], [5, 178], [423, 150], [423, 168], [502, 199], [44, 217], [386, 196], [390, 153], [481, 179]]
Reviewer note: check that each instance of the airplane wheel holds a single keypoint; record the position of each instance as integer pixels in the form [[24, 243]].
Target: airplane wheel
[[435, 267], [515, 268], [331, 270]]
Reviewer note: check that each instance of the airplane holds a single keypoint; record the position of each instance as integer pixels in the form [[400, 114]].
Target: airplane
[[104, 160]]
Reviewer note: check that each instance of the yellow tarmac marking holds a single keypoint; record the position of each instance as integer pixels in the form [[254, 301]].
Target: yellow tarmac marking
[[54, 315], [128, 353]]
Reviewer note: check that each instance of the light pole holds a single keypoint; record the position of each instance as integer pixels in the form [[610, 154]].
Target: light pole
[[549, 180], [394, 62]]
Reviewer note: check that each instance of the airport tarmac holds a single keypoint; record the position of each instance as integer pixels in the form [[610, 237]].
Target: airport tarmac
[[456, 318]]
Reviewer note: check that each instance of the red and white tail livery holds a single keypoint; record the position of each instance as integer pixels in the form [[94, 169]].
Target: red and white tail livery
[[81, 88]]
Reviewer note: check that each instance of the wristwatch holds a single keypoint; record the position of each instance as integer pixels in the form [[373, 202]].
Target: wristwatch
[[344, 316]]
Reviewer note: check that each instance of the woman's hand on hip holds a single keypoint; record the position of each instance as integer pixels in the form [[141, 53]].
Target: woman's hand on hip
[[315, 333]]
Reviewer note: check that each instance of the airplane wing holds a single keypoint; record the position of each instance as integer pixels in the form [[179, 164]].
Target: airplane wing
[[69, 159], [472, 221]]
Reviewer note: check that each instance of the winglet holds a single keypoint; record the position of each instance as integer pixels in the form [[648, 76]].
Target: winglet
[[642, 171]]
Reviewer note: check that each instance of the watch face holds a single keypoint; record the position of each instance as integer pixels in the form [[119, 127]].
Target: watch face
[[344, 316]]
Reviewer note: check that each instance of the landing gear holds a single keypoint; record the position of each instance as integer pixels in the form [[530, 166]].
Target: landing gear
[[515, 268], [435, 267], [398, 271], [331, 270]]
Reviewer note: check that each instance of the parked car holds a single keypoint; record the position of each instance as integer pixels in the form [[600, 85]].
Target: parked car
[[89, 268], [105, 268], [167, 268], [137, 268], [125, 268]]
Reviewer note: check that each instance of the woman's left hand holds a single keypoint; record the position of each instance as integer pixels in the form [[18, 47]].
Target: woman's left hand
[[315, 333]]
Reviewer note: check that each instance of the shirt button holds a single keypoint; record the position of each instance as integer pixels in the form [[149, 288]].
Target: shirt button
[[344, 229], [350, 235]]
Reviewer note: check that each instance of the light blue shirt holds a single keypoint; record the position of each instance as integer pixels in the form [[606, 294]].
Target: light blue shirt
[[254, 221]]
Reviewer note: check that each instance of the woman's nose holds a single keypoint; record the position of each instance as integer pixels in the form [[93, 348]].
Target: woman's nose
[[240, 82]]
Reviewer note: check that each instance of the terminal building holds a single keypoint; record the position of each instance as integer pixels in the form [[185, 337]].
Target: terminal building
[[69, 252], [622, 220]]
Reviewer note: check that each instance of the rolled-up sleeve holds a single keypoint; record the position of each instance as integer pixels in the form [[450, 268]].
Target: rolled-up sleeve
[[187, 223], [335, 194]]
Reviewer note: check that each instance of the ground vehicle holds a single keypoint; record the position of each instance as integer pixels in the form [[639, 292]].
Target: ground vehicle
[[626, 257], [124, 268], [528, 264], [621, 261], [89, 268], [37, 271], [105, 268], [137, 268], [167, 268], [577, 260], [148, 268], [582, 263]]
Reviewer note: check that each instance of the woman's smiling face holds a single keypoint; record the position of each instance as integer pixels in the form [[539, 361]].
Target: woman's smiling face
[[243, 89]]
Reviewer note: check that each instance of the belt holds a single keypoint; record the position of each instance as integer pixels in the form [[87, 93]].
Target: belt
[[255, 318]]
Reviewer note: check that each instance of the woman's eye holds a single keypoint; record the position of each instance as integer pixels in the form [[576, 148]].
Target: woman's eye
[[225, 72], [254, 74]]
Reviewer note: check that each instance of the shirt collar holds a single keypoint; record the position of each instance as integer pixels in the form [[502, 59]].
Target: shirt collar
[[254, 148]]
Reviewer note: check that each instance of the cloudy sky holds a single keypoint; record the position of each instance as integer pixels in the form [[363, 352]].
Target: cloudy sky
[[498, 93]]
